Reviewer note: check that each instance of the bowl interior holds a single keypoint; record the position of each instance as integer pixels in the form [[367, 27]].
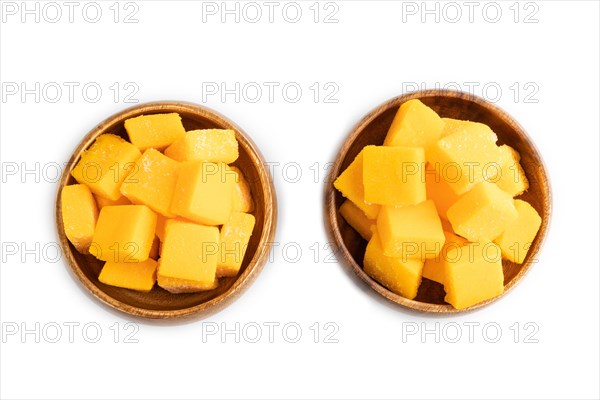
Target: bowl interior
[[372, 130], [159, 303]]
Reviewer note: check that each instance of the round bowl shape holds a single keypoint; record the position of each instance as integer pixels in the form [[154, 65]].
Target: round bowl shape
[[159, 303], [450, 104]]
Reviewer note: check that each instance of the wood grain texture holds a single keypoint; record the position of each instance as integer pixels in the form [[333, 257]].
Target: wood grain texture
[[372, 129], [159, 303]]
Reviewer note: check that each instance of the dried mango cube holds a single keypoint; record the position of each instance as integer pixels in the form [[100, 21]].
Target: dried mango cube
[[512, 177], [233, 243], [350, 183], [213, 145], [105, 165], [152, 182], [483, 213], [402, 277], [157, 130], [434, 267], [394, 176], [124, 233], [439, 191], [79, 215], [242, 196], [137, 276], [204, 192], [472, 274], [415, 125], [357, 219], [411, 231], [102, 202], [518, 236]]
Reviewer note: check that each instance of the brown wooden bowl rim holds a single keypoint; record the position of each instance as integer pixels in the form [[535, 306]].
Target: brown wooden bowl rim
[[332, 215], [258, 259]]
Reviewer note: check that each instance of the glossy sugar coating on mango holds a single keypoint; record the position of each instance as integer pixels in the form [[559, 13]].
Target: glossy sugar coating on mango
[[415, 125], [402, 277], [472, 274], [189, 257], [213, 145], [467, 156], [124, 233], [204, 192], [137, 276], [411, 231], [242, 196], [105, 165], [483, 213], [357, 219], [233, 243], [152, 182], [439, 191], [518, 236], [102, 202], [512, 177], [157, 130], [350, 183], [79, 215], [434, 267], [394, 176]]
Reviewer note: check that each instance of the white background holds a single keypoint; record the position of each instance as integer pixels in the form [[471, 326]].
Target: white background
[[547, 72]]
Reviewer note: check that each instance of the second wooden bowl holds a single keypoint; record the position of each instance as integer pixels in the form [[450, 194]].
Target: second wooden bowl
[[159, 303], [451, 104]]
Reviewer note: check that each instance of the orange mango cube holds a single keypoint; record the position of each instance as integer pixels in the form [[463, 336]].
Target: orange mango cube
[[233, 242], [434, 267], [518, 236], [139, 276], [357, 219], [212, 145], [79, 215], [157, 130]]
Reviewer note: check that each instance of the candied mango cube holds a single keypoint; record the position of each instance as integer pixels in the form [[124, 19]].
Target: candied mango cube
[[350, 183], [402, 277], [472, 274], [105, 165], [467, 156], [439, 191], [415, 125], [434, 267], [357, 219], [204, 192], [212, 145], [242, 196], [512, 178], [518, 236], [157, 130], [137, 276], [483, 213], [79, 215], [411, 231], [233, 243], [188, 261], [394, 176], [124, 233], [152, 182], [102, 202]]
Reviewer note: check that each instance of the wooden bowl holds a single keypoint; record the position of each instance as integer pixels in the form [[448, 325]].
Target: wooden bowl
[[159, 303], [452, 104]]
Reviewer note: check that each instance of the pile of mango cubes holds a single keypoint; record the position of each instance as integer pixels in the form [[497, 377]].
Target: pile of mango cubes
[[164, 206], [437, 200]]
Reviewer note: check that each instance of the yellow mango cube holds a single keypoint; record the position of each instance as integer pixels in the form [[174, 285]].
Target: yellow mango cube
[[212, 145], [242, 196], [415, 125], [233, 243], [157, 130], [152, 182], [124, 233], [483, 213], [439, 191], [105, 165], [434, 267], [512, 177], [79, 215], [518, 236], [189, 256], [467, 156], [350, 183], [472, 274], [357, 219], [402, 277], [204, 193], [102, 202], [394, 176], [137, 276], [411, 231]]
